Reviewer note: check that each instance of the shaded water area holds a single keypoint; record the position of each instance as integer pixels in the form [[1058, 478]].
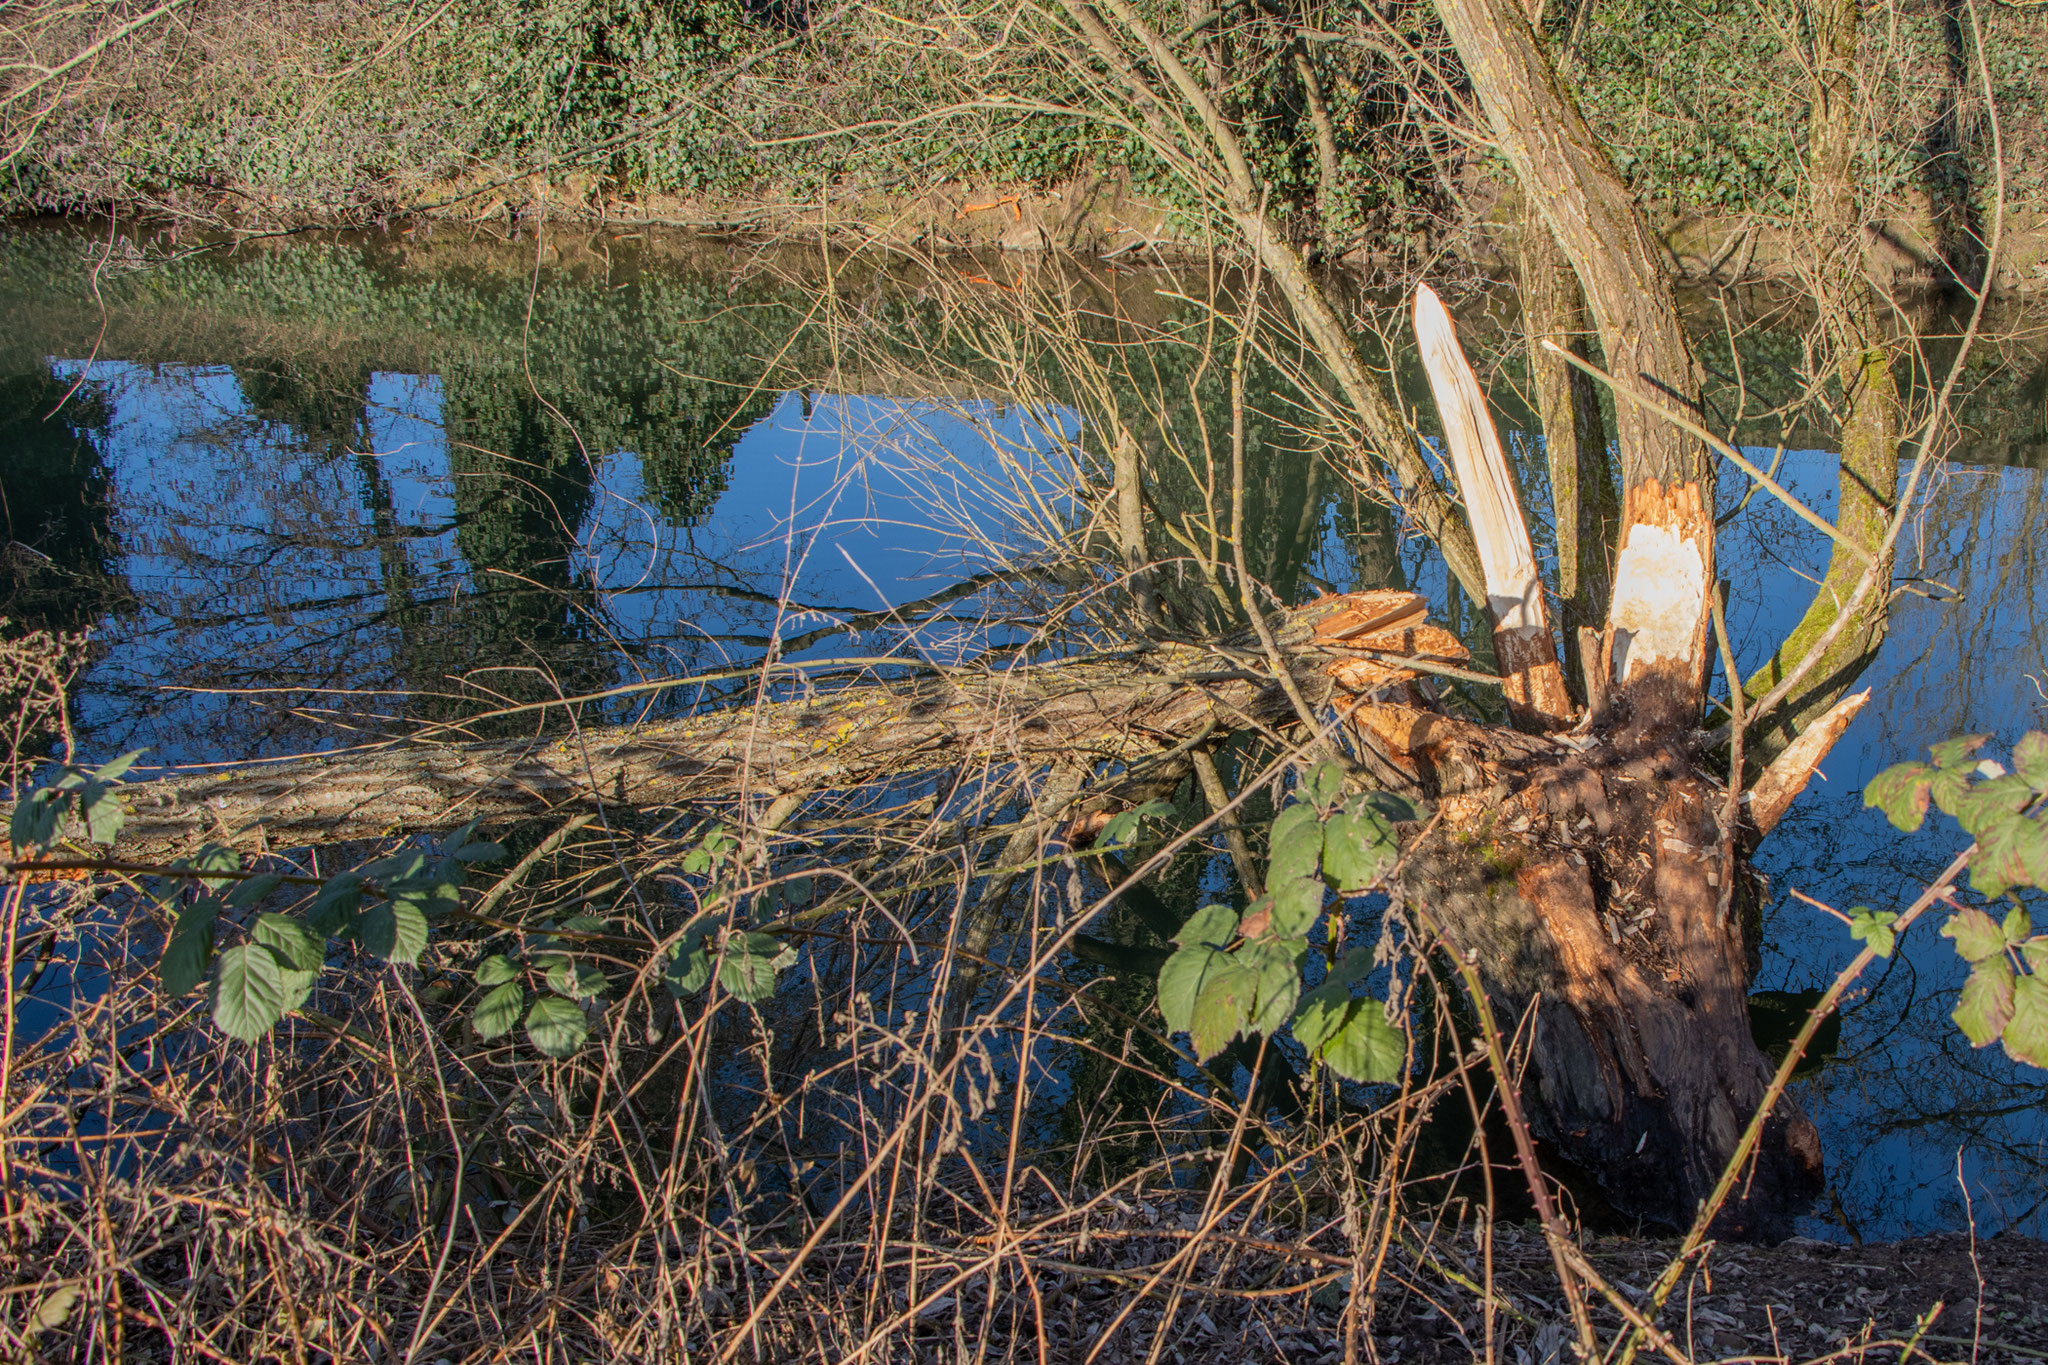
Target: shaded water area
[[320, 492]]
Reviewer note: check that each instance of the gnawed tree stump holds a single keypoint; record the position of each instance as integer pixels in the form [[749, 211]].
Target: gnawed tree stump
[[1584, 875]]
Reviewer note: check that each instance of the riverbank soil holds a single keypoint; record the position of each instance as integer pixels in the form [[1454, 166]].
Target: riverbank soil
[[1261, 1292]]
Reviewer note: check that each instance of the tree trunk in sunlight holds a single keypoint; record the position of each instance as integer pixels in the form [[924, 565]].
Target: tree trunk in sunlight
[[1593, 889], [1872, 412]]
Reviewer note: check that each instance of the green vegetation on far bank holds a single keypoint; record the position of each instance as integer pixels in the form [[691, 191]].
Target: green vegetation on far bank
[[364, 110]]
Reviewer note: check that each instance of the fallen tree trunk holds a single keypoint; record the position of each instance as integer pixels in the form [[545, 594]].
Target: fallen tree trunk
[[1118, 710]]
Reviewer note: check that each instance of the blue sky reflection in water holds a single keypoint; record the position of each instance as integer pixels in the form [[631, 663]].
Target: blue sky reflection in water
[[257, 563], [257, 558]]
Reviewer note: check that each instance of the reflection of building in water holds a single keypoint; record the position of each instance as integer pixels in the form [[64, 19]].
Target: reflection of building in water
[[60, 569]]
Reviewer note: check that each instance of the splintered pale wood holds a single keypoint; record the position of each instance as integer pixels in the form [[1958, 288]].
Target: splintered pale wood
[[1658, 617], [1775, 791], [1528, 656], [1369, 613]]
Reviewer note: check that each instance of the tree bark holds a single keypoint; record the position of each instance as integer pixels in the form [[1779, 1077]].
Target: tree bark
[[1128, 468], [1121, 710], [1873, 414], [1642, 1070], [1582, 496], [1657, 618], [1329, 171]]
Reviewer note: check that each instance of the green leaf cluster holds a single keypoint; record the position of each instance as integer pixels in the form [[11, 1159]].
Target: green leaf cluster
[[1235, 975], [80, 798], [385, 907], [744, 962], [2001, 810], [2005, 999], [548, 981], [556, 1024]]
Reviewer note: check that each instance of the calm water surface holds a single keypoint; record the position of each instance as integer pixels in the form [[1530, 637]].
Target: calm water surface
[[307, 494]]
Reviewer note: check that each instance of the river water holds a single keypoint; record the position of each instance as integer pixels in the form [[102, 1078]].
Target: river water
[[310, 492]]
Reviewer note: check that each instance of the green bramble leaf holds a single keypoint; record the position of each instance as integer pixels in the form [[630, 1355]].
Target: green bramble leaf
[[556, 1026], [1364, 1046], [1275, 970], [477, 851], [1297, 904], [2030, 759], [1357, 848], [1321, 1013], [1323, 1010], [293, 943], [1326, 784], [189, 951], [334, 909], [1297, 843], [1955, 753], [298, 986], [748, 964], [1223, 1008], [689, 969], [1900, 791], [578, 981], [496, 970], [1873, 927], [1182, 979], [1215, 925], [393, 930], [2018, 926], [1977, 936], [2026, 1033], [213, 858], [433, 890], [34, 823], [89, 796], [250, 890], [1985, 805], [248, 991], [1950, 788], [498, 1011], [2012, 852], [1985, 1006], [1392, 808], [115, 769], [104, 814], [1123, 826]]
